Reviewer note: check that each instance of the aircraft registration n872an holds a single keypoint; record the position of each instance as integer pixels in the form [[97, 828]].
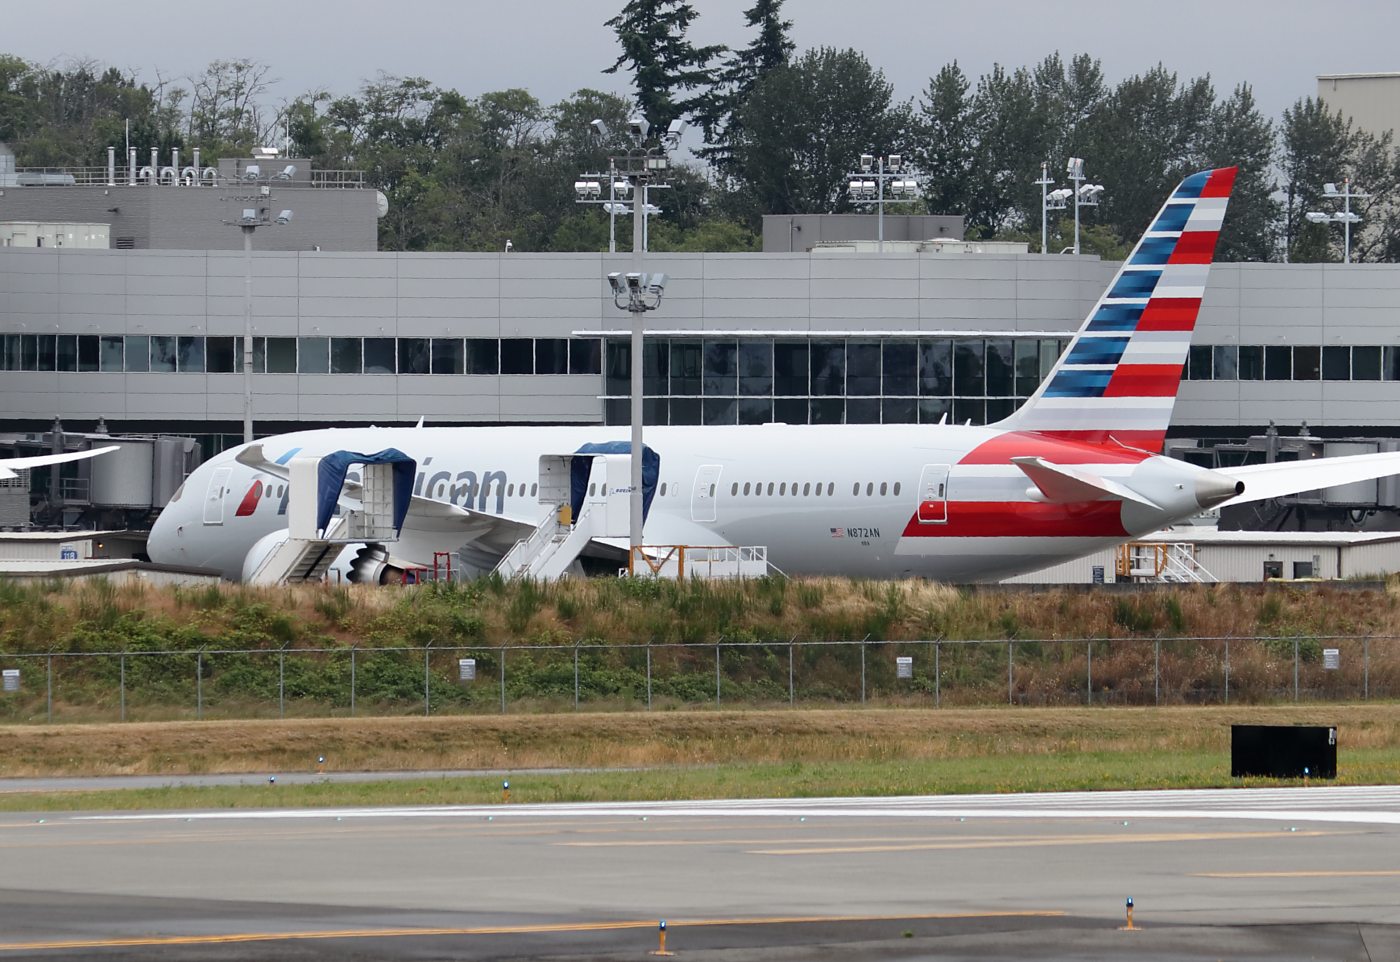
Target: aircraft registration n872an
[[1074, 470]]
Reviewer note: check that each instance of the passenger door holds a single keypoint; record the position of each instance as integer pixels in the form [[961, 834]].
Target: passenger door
[[706, 492], [214, 499], [933, 494]]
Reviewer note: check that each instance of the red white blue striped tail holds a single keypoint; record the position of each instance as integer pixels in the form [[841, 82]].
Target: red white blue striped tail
[[1118, 380]]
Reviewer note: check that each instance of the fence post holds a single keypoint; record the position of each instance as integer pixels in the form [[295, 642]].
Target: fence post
[[1157, 672], [937, 678], [1089, 675], [427, 699], [1227, 669], [123, 683], [1295, 668], [281, 682], [352, 680], [576, 676], [862, 673], [1010, 678], [50, 687], [791, 695], [503, 678], [648, 674], [199, 684], [1366, 668], [717, 703]]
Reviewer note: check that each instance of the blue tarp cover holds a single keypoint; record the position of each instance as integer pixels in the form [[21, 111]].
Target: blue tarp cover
[[580, 468], [331, 477]]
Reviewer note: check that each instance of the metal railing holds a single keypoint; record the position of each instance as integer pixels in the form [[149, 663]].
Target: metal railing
[[163, 177], [925, 673]]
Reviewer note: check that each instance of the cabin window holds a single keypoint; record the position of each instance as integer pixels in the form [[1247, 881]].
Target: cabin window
[[663, 489], [592, 489], [831, 489], [807, 489], [770, 488], [883, 488], [712, 490], [534, 489], [510, 492], [279, 490], [896, 489], [782, 488], [746, 487], [855, 489], [734, 490]]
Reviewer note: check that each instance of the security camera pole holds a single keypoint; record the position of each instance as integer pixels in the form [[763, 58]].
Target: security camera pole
[[259, 214]]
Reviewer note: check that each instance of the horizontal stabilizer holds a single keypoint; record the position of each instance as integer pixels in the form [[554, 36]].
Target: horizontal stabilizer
[[1281, 479], [1058, 484]]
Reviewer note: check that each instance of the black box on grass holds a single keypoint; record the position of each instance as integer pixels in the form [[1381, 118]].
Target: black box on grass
[[1283, 751]]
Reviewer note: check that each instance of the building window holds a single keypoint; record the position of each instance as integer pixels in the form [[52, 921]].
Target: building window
[[66, 356], [1000, 369], [756, 371], [721, 370], [448, 356], [313, 355], [936, 368], [1198, 363], [899, 364], [162, 354], [518, 356], [1307, 363], [281, 355], [1027, 354], [88, 353], [1336, 363], [379, 355], [828, 373], [219, 355], [862, 369], [586, 356], [1278, 363], [969, 370], [189, 354], [551, 355], [346, 355], [110, 353], [137, 356], [1366, 364], [414, 355], [1227, 362], [483, 355], [1251, 367], [790, 370]]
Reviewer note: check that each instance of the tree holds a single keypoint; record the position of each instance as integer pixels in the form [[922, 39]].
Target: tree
[[1238, 135], [949, 139], [769, 49], [804, 127], [667, 68], [226, 112]]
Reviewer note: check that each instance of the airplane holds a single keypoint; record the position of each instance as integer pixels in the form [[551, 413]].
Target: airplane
[[10, 467], [1076, 469]]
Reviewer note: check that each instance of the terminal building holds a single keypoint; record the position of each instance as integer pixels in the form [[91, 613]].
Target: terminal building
[[143, 338]]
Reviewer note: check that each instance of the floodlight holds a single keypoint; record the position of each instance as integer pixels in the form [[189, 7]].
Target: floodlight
[[656, 163], [867, 187], [594, 188], [894, 161], [288, 172], [622, 185], [638, 127], [250, 214], [252, 172], [581, 188], [615, 280], [1330, 190], [1075, 167], [1317, 218], [855, 188], [867, 161], [509, 246], [673, 132], [658, 284], [1347, 218], [611, 207], [651, 210], [635, 281], [285, 217], [602, 128]]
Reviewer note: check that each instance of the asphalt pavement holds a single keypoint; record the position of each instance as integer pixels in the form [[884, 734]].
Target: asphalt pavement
[[1231, 874]]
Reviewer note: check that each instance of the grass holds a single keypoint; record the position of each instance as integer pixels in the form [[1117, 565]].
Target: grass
[[1060, 771]]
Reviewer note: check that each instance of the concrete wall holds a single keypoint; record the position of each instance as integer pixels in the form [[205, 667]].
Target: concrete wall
[[1372, 100], [785, 233], [192, 218]]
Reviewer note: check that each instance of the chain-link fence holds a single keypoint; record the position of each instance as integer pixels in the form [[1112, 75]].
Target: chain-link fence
[[354, 680]]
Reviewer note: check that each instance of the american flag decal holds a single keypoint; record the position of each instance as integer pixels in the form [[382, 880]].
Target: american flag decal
[[838, 532]]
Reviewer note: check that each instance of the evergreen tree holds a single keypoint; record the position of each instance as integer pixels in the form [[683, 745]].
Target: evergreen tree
[[949, 135], [1240, 136], [671, 75], [770, 48]]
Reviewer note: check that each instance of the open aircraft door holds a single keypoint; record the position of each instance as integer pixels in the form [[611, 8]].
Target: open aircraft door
[[214, 499], [933, 494], [703, 497]]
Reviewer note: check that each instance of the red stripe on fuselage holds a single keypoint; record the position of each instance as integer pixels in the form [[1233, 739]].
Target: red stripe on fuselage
[[1062, 447], [1144, 380], [1024, 519], [250, 501], [1194, 247], [1170, 314], [1147, 443]]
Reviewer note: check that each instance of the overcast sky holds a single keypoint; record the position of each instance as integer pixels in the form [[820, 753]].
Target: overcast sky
[[553, 47]]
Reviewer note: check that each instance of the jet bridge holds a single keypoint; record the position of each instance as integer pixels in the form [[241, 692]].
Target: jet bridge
[[583, 496], [325, 512]]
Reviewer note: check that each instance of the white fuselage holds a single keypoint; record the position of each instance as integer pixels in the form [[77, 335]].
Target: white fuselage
[[895, 500]]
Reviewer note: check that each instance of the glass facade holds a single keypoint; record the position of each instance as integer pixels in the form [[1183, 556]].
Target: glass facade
[[300, 355], [817, 380], [1303, 362]]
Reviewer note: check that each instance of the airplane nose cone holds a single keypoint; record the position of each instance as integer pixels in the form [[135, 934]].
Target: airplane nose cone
[[1213, 488]]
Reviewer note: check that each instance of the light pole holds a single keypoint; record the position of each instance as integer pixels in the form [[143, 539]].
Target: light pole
[[1346, 218], [1045, 181], [590, 191], [1085, 195], [253, 217], [863, 190], [637, 292]]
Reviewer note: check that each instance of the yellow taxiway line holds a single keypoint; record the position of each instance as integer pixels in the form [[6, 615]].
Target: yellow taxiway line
[[1317, 874], [489, 930]]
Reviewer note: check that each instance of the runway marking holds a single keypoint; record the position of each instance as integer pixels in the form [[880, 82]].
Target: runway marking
[[1319, 874], [490, 930], [1031, 842]]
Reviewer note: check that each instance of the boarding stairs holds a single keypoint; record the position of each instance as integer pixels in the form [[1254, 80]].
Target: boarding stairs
[[1161, 563], [308, 551], [560, 536]]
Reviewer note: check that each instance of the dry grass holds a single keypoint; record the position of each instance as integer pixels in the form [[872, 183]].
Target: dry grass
[[662, 739]]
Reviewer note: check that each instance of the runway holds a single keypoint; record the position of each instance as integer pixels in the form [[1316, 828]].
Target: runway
[[1244, 874]]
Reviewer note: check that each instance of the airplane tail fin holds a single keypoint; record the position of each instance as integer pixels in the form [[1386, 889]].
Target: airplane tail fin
[[1118, 379]]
